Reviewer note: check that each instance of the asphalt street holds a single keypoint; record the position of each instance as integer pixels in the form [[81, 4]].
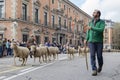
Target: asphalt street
[[62, 69]]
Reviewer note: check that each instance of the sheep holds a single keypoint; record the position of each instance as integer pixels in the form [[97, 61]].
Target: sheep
[[79, 50], [41, 45], [70, 52], [53, 51], [21, 52], [39, 52], [83, 50]]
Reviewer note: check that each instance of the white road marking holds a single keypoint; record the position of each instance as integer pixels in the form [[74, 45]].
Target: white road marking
[[9, 78], [30, 70], [26, 69], [2, 77]]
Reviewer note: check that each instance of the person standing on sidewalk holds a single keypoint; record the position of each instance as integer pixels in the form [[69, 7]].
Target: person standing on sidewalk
[[94, 38], [1, 43]]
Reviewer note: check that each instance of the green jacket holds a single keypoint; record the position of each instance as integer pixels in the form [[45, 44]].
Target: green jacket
[[95, 34]]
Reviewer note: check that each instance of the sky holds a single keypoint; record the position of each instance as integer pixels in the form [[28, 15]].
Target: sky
[[110, 9]]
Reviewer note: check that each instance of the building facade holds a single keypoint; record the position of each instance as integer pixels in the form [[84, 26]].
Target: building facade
[[116, 36], [108, 34], [53, 20]]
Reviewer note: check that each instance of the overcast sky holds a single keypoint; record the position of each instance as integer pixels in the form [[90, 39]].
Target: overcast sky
[[110, 9]]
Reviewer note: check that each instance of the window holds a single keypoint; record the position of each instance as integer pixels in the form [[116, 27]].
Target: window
[[65, 23], [105, 30], [59, 21], [66, 40], [53, 40], [25, 37], [52, 1], [70, 41], [69, 9], [64, 7], [105, 41], [70, 25], [53, 20], [37, 39], [1, 36], [36, 15], [73, 11], [59, 5], [46, 39], [45, 18], [1, 8], [77, 28], [24, 11]]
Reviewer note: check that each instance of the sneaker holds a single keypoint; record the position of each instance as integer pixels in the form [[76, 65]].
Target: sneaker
[[99, 70], [94, 73]]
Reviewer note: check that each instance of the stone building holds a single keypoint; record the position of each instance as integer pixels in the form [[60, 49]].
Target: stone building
[[116, 36], [54, 20], [108, 34]]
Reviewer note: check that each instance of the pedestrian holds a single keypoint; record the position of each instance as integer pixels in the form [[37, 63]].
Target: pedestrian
[[31, 41], [8, 47], [48, 43], [4, 47], [1, 44], [94, 38]]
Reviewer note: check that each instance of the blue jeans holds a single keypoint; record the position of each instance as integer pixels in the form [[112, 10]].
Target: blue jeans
[[96, 48], [8, 51]]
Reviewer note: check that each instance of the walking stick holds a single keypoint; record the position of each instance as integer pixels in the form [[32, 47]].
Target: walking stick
[[86, 57]]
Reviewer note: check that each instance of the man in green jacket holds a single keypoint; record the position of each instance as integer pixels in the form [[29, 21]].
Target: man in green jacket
[[94, 38]]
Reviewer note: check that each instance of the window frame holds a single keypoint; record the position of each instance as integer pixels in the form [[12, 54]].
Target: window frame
[[53, 1], [45, 18], [24, 13]]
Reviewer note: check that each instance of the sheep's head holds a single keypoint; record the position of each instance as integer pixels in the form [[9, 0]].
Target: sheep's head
[[13, 45], [41, 45], [33, 49]]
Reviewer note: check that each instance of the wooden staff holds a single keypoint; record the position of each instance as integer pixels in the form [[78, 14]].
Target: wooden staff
[[86, 57]]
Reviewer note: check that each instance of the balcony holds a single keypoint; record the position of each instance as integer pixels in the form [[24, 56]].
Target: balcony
[[46, 24], [37, 21], [63, 28], [25, 18], [54, 26], [60, 10]]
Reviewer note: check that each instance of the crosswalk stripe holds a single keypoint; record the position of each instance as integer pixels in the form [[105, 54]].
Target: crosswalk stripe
[[26, 69]]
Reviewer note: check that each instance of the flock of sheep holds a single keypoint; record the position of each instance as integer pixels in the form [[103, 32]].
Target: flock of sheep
[[44, 53]]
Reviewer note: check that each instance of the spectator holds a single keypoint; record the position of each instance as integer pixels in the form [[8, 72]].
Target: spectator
[[8, 44], [1, 43], [47, 44], [4, 47]]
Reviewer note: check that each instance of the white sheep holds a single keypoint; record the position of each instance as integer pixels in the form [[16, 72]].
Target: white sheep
[[79, 50], [53, 51], [70, 51], [21, 52], [84, 50], [39, 52]]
